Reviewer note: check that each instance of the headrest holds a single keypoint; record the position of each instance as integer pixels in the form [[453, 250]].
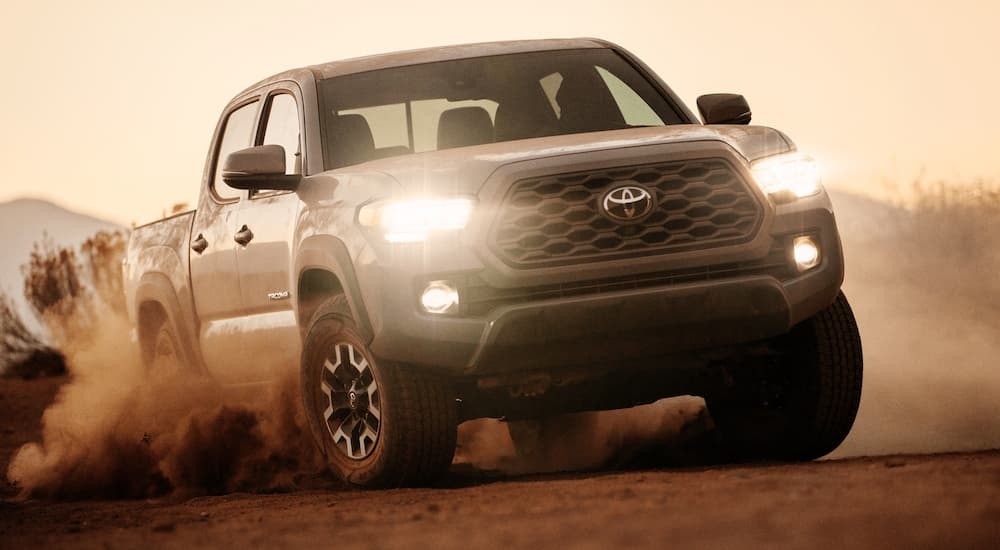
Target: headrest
[[525, 119], [464, 126], [351, 140], [586, 105]]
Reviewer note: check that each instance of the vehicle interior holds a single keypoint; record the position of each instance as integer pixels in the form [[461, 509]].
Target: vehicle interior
[[469, 102]]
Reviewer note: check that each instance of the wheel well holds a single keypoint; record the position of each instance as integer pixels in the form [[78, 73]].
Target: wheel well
[[315, 285], [151, 316]]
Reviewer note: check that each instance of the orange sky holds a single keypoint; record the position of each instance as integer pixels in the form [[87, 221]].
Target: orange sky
[[108, 107]]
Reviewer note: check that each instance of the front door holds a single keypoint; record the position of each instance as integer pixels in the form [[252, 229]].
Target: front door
[[266, 283]]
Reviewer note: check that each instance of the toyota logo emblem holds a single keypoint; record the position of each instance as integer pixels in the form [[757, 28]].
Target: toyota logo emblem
[[627, 203]]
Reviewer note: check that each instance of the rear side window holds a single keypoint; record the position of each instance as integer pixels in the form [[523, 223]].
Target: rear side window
[[283, 129], [237, 134]]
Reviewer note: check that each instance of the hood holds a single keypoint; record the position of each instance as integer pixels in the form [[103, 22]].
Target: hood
[[465, 169]]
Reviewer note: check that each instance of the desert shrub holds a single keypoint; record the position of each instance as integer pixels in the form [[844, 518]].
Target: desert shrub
[[51, 278], [23, 354], [70, 290], [102, 256]]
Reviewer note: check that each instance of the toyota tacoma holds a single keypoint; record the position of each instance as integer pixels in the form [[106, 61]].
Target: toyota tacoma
[[515, 230]]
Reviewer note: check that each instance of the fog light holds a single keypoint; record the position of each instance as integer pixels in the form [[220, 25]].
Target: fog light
[[805, 251], [439, 297]]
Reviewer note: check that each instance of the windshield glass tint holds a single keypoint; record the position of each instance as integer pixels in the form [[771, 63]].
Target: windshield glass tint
[[447, 104]]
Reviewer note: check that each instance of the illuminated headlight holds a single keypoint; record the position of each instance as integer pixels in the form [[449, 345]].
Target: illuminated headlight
[[787, 177], [805, 252], [439, 297], [411, 221]]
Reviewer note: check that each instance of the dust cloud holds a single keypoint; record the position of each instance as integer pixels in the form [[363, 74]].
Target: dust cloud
[[115, 431], [675, 431], [924, 282]]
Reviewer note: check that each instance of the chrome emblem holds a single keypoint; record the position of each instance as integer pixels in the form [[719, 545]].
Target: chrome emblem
[[627, 203], [283, 295]]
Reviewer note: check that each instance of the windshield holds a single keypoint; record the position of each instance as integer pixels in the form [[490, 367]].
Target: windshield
[[447, 104]]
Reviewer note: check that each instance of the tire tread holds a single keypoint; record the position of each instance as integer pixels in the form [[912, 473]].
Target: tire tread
[[421, 442]]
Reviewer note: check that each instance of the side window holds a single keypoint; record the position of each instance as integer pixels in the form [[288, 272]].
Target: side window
[[237, 134], [635, 111], [283, 129]]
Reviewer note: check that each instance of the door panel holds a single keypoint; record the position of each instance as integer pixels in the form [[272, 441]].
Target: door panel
[[272, 342], [215, 278], [268, 290], [264, 263]]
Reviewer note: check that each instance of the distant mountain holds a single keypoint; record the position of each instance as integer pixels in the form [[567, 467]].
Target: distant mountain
[[24, 222]]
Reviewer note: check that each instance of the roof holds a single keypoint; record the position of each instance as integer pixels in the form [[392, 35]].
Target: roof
[[446, 53], [430, 55]]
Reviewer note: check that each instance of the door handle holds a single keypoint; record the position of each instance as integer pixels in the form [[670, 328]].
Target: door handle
[[243, 236], [199, 244]]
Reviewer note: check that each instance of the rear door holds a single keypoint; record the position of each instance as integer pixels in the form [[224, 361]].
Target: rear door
[[214, 273], [266, 282]]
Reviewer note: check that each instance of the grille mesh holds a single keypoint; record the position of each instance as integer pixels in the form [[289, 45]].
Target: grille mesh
[[701, 203]]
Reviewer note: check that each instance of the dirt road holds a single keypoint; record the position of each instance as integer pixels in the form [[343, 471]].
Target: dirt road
[[943, 501], [935, 501]]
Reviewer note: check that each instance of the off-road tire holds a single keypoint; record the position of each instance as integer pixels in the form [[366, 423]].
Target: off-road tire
[[418, 415], [820, 387]]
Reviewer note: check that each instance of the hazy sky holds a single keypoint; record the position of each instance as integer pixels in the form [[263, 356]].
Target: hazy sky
[[108, 107]]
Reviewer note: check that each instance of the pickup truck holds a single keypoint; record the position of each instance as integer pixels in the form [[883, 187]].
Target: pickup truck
[[514, 230]]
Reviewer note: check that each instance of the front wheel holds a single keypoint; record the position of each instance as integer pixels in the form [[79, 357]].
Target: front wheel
[[802, 407], [379, 424]]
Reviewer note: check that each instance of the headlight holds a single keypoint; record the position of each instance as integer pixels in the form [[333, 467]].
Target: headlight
[[412, 220], [787, 177]]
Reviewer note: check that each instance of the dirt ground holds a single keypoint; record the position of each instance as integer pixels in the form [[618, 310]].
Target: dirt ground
[[932, 501]]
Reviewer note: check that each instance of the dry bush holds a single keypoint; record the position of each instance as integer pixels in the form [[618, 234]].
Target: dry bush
[[102, 256], [70, 291], [51, 278], [23, 354]]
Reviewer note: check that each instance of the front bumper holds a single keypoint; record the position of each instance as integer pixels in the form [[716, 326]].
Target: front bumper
[[575, 330]]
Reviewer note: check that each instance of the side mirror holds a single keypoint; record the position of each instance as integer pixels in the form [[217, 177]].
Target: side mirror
[[259, 168], [724, 109]]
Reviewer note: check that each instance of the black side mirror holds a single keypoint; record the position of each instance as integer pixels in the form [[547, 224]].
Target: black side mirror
[[259, 168], [724, 109]]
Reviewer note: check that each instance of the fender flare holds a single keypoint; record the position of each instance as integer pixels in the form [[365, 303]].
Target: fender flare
[[156, 288], [329, 253]]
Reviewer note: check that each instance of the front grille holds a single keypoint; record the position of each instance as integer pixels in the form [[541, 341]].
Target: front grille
[[479, 298], [556, 220]]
